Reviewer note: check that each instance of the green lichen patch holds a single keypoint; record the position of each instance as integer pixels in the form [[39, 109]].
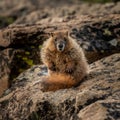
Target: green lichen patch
[[5, 21], [27, 53], [40, 46], [29, 62], [107, 32], [24, 59], [32, 46]]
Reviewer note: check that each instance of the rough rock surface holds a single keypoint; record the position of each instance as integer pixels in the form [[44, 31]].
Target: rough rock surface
[[98, 36], [33, 11], [96, 98], [97, 31], [5, 69], [25, 25]]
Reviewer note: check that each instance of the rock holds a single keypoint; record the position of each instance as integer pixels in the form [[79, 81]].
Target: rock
[[12, 9], [97, 35], [14, 61], [32, 11], [68, 9], [96, 98], [101, 110], [6, 57]]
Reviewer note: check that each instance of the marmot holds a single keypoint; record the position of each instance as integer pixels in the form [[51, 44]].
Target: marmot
[[65, 61]]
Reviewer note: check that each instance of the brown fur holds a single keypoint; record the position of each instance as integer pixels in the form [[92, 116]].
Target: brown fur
[[67, 67]]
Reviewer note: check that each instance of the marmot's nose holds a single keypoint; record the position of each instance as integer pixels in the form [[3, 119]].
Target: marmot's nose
[[60, 46]]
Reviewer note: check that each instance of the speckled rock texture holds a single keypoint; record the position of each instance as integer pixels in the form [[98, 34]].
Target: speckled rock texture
[[6, 59], [24, 25], [98, 36], [96, 98]]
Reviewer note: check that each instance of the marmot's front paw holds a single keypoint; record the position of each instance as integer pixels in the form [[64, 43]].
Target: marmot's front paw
[[69, 67], [52, 68]]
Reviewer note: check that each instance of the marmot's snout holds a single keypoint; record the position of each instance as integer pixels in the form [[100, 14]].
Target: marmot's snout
[[60, 47]]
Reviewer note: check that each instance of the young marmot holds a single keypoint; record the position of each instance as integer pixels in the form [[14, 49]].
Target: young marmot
[[65, 61]]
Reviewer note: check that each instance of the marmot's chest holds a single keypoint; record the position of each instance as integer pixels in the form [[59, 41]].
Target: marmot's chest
[[61, 59]]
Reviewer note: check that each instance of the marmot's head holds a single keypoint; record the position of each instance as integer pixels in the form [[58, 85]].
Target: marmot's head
[[59, 41]]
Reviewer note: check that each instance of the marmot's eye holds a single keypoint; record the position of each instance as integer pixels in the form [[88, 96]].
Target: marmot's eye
[[55, 39]]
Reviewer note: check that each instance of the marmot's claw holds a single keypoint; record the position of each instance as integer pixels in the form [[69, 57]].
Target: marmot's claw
[[69, 70]]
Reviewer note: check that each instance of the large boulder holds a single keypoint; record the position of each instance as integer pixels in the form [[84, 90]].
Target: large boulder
[[6, 58], [99, 36], [96, 98]]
